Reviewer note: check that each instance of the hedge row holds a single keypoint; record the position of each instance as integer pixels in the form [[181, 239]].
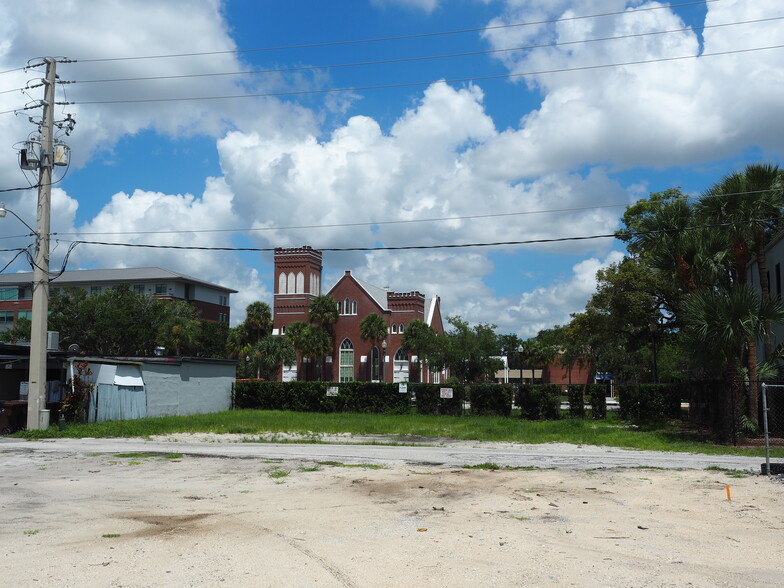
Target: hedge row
[[371, 397], [649, 403], [644, 403]]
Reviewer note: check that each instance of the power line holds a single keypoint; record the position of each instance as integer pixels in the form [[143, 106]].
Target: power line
[[413, 84], [396, 37], [411, 59], [389, 222], [413, 247]]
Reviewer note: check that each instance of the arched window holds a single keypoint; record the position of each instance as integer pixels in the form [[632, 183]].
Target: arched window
[[401, 328], [282, 283], [347, 306], [353, 307], [300, 283], [346, 361], [394, 329], [375, 372], [283, 329], [401, 366], [291, 287]]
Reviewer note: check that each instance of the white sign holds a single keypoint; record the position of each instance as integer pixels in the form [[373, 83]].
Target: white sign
[[332, 391], [402, 387], [447, 393]]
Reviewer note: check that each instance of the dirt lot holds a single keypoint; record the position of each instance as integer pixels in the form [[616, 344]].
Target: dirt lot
[[108, 520]]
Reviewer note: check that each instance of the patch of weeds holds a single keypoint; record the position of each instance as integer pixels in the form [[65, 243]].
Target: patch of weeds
[[42, 467], [32, 532], [173, 456], [522, 518], [367, 466], [483, 466], [135, 455], [730, 472], [244, 491], [278, 473], [110, 535], [134, 463], [315, 468]]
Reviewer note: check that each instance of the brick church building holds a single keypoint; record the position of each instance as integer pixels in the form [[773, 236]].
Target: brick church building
[[298, 280]]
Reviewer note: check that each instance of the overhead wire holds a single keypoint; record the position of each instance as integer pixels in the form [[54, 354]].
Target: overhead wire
[[384, 222], [415, 58], [416, 247], [400, 37], [414, 84]]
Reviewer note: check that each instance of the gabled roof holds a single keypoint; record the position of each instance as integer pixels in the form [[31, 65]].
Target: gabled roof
[[118, 275], [376, 293]]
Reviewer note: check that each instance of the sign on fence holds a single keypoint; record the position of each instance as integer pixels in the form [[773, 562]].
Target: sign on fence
[[402, 388], [332, 391], [447, 393]]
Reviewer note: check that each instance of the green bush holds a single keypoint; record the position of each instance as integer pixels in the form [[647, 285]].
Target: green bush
[[490, 399], [368, 397], [649, 403], [597, 395], [576, 395], [540, 402], [429, 401]]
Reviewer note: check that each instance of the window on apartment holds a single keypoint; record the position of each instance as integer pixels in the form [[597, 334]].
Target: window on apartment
[[95, 290], [346, 361], [6, 320], [138, 289], [435, 377], [161, 289], [9, 293], [25, 314]]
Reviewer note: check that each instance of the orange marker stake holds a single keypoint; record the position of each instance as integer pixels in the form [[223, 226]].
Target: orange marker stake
[[727, 486]]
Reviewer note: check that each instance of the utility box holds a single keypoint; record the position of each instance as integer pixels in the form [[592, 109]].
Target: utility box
[[52, 340]]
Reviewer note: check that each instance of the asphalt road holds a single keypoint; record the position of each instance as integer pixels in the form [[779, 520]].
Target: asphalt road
[[357, 450]]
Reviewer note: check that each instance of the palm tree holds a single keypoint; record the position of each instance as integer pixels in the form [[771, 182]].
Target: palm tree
[[268, 354], [323, 312], [373, 328], [258, 319], [749, 204], [721, 322], [312, 341], [181, 327]]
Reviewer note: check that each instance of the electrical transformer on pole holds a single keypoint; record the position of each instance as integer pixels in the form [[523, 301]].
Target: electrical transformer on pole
[[36, 399]]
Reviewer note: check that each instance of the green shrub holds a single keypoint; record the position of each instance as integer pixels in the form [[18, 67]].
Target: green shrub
[[597, 395], [370, 397], [649, 403], [490, 399], [576, 395], [429, 401], [540, 402]]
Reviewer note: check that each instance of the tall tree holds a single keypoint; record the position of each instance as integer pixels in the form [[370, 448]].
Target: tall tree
[[373, 328], [721, 322], [258, 319], [471, 353], [420, 339], [748, 206], [312, 341]]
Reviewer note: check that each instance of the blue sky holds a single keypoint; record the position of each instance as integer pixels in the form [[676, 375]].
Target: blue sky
[[374, 166]]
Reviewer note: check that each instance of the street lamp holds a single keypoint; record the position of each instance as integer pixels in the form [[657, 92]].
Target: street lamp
[[383, 360], [520, 351]]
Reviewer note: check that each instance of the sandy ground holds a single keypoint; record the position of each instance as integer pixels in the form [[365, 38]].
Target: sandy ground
[[109, 520]]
